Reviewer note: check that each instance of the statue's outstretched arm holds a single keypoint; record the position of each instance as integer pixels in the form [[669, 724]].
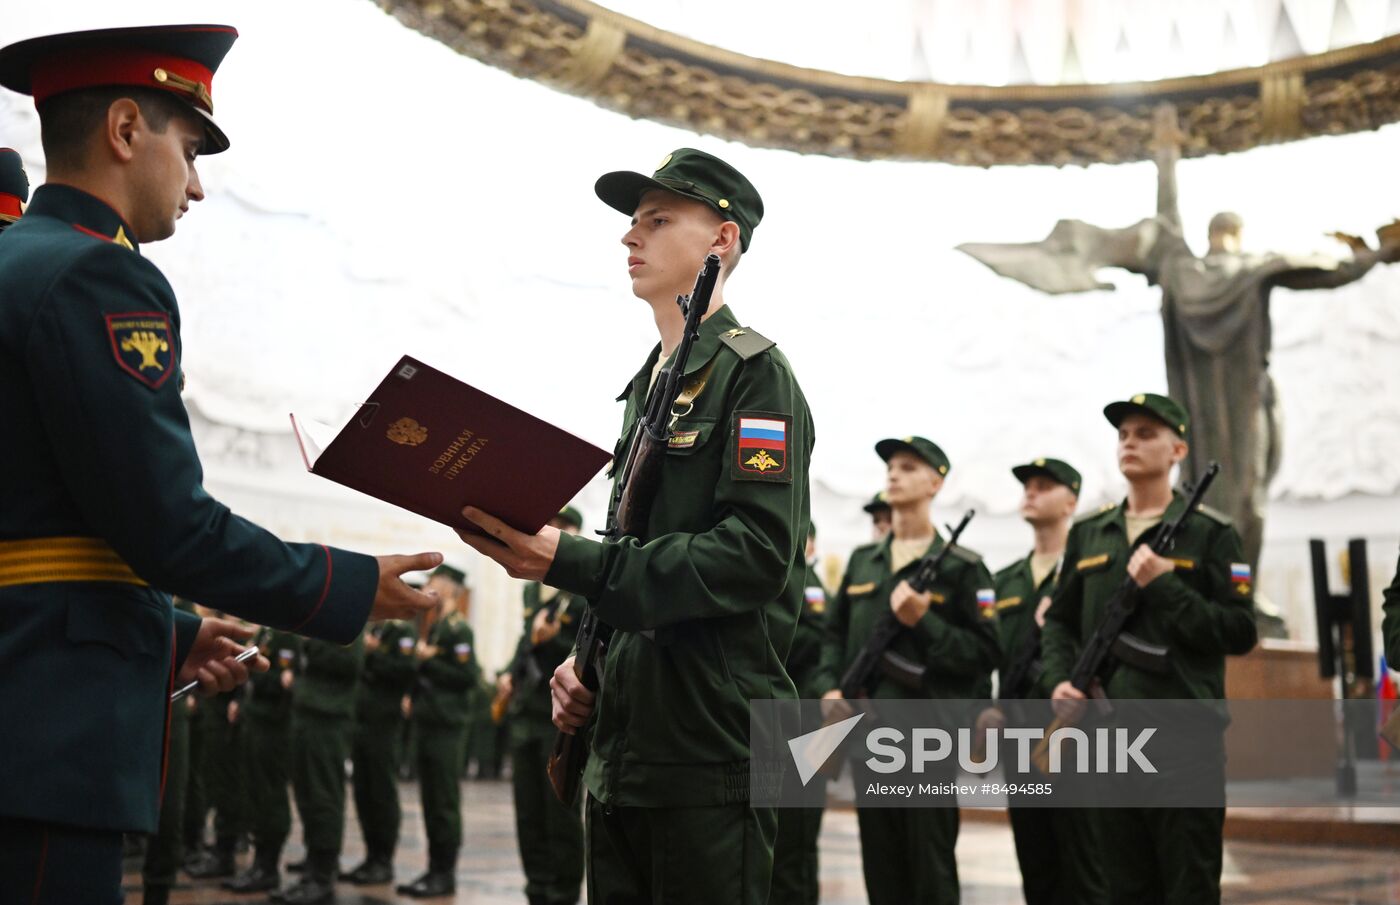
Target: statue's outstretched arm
[[1166, 142]]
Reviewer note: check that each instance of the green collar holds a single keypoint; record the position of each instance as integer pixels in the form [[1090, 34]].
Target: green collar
[[84, 212], [1120, 512], [706, 345], [882, 549]]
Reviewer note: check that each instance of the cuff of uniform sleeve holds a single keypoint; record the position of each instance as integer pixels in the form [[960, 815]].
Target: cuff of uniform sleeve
[[577, 567], [186, 629], [340, 613]]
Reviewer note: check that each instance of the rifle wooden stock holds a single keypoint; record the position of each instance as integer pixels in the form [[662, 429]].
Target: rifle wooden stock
[[644, 464], [570, 752]]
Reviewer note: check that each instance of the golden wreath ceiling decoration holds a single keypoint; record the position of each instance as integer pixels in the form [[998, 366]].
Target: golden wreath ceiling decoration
[[625, 65]]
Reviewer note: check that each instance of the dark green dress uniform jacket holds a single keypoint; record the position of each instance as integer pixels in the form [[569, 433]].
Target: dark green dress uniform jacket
[[1390, 627], [1017, 600], [956, 639], [531, 706], [447, 682], [716, 579], [1198, 611], [390, 673], [97, 445]]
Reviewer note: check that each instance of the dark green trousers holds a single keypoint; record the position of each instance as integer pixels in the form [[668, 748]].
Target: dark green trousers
[[196, 792], [377, 754], [550, 833], [320, 745], [1060, 857], [50, 864], [268, 746], [1163, 856], [225, 781], [908, 855], [795, 877], [163, 850], [680, 856], [440, 753]]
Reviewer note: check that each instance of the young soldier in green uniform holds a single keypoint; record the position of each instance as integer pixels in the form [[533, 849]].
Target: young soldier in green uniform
[[442, 704], [105, 512], [704, 602], [391, 670], [1057, 848], [225, 787], [14, 187], [879, 511], [549, 833], [908, 853], [1198, 603], [795, 878], [266, 715], [323, 721]]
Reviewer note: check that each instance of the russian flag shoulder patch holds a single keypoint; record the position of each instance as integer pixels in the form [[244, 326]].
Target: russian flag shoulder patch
[[761, 446]]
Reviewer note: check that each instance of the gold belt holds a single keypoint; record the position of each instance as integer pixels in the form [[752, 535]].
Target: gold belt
[[40, 560]]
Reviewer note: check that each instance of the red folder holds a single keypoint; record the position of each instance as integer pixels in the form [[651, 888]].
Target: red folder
[[431, 444]]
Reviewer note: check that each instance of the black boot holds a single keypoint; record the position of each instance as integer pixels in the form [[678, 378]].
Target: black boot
[[433, 883], [311, 889], [376, 870], [213, 863], [261, 876]]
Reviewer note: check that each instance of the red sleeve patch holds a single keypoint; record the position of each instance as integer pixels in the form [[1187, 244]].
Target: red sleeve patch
[[143, 346]]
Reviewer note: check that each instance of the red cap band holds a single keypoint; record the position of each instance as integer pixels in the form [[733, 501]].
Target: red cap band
[[60, 73]]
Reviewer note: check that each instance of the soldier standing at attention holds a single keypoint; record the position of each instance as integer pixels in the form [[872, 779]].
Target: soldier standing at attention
[[549, 833], [442, 705], [14, 187], [391, 670], [266, 714], [879, 511], [1199, 604], [1057, 848], [704, 602], [323, 721], [104, 510], [908, 853], [795, 877]]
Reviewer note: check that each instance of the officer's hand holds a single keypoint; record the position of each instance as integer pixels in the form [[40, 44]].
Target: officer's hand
[[543, 628], [524, 556], [396, 600], [210, 661], [1067, 701], [834, 707], [1146, 567], [573, 704], [909, 605]]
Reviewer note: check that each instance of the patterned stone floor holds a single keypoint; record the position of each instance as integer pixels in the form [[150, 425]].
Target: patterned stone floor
[[489, 872]]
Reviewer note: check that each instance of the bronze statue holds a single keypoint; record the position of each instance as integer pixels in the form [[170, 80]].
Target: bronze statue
[[1215, 318]]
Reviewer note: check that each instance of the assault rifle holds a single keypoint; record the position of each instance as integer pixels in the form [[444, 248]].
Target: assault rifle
[[525, 669], [1111, 645], [876, 656], [628, 512]]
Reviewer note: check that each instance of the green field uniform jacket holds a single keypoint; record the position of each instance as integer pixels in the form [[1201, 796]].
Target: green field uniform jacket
[[329, 679], [530, 704], [956, 639], [448, 681], [1017, 599], [1198, 611], [805, 655], [390, 672], [266, 699], [705, 601]]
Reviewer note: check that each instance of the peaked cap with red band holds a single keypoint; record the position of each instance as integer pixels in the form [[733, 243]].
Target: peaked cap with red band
[[14, 186], [179, 59]]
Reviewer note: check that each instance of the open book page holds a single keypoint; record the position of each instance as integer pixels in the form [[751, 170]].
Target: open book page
[[314, 436]]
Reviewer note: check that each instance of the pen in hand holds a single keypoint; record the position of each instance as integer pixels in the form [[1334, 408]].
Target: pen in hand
[[248, 654]]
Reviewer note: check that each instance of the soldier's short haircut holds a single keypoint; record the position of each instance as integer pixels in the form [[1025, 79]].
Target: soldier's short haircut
[[68, 121]]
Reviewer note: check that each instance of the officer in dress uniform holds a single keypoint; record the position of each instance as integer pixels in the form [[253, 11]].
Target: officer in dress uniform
[[706, 599], [14, 187], [1198, 604], [548, 832], [102, 509]]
